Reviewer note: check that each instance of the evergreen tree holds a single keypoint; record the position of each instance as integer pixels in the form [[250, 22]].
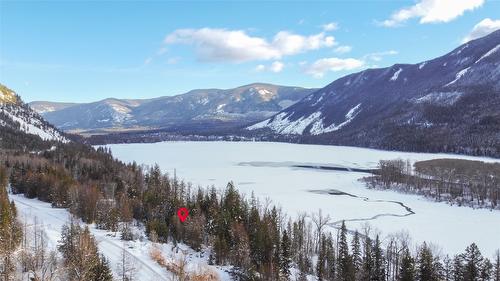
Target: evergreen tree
[[102, 272], [407, 268], [425, 265], [486, 271], [496, 270], [286, 259], [321, 263], [378, 261], [458, 268], [357, 259], [10, 229], [367, 270], [447, 269], [330, 258], [473, 261], [345, 268]]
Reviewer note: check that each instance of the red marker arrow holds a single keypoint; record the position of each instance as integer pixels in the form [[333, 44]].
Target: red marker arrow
[[183, 213]]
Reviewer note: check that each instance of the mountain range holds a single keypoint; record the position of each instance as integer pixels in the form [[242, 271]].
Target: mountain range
[[450, 103], [197, 108], [447, 104]]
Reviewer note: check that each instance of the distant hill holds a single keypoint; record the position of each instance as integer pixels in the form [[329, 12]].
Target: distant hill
[[447, 104], [206, 107]]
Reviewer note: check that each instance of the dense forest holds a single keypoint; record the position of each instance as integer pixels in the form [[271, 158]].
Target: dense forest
[[456, 181]]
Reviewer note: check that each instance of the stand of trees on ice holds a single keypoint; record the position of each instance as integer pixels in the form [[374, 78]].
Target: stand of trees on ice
[[461, 182]]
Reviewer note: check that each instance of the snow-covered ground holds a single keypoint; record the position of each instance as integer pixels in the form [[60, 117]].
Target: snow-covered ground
[[109, 243], [267, 170]]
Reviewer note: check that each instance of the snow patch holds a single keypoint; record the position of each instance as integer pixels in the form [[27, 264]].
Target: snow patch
[[265, 94], [319, 128], [220, 108], [282, 125], [319, 100], [489, 53], [458, 76], [442, 98], [396, 75], [422, 65]]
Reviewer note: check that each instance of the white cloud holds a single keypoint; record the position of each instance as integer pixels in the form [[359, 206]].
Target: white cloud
[[431, 11], [319, 67], [330, 26], [237, 46], [343, 49], [260, 68], [148, 60], [481, 29], [277, 66], [377, 56]]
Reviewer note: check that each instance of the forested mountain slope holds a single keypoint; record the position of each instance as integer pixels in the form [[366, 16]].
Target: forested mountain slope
[[447, 104], [17, 117]]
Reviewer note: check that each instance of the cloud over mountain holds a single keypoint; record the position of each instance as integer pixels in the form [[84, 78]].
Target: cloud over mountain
[[432, 11], [237, 46]]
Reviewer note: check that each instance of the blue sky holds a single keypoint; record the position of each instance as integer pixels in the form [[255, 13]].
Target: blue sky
[[87, 51]]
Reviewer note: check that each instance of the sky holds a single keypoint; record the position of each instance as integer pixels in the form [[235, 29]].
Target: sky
[[83, 51]]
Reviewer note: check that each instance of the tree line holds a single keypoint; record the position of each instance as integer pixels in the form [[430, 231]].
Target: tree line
[[456, 181]]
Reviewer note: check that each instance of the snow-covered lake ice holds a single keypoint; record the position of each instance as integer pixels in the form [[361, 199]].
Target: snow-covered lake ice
[[267, 170]]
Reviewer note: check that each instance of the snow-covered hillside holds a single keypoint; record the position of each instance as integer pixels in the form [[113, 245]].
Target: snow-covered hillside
[[138, 252], [15, 114], [437, 105]]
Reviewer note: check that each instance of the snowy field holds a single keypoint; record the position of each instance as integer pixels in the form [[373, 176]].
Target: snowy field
[[268, 170], [109, 243]]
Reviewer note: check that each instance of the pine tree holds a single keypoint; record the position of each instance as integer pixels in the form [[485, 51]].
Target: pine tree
[[458, 268], [378, 261], [486, 271], [321, 263], [102, 272], [473, 261], [357, 259], [286, 259], [447, 269], [10, 229], [367, 269], [496, 270], [330, 258], [345, 266], [425, 265], [407, 268]]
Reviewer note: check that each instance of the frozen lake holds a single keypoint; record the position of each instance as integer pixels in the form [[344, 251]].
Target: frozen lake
[[270, 170]]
